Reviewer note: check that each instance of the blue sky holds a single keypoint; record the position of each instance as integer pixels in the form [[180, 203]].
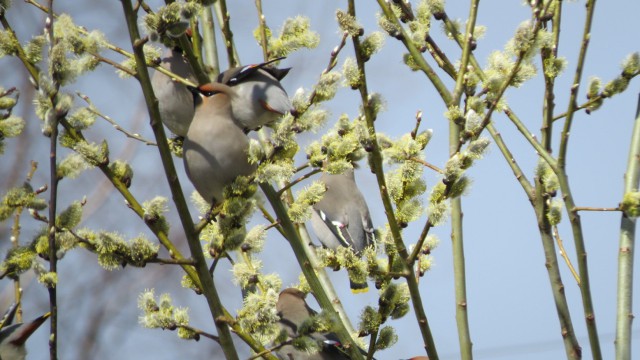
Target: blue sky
[[511, 310]]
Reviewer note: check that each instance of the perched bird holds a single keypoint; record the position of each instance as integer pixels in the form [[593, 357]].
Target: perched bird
[[215, 148], [13, 338], [260, 98], [175, 101], [418, 358], [293, 311], [342, 217]]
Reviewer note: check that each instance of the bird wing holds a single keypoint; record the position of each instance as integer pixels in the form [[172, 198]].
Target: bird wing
[[339, 229]]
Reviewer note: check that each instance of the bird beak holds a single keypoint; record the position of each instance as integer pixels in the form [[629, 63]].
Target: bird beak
[[194, 90], [29, 329], [9, 315]]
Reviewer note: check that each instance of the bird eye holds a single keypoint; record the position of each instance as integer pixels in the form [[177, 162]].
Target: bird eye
[[208, 93]]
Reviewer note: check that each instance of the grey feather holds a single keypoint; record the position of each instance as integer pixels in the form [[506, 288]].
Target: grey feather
[[215, 149], [175, 101]]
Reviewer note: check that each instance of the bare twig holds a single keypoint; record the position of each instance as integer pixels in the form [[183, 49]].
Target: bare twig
[[172, 261], [201, 333], [262, 23], [53, 195], [333, 60], [563, 253], [427, 164], [588, 208], [298, 180], [116, 126]]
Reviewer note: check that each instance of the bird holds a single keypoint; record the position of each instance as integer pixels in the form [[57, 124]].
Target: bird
[[215, 148], [342, 218], [260, 98], [175, 101], [13, 338], [293, 311], [418, 358]]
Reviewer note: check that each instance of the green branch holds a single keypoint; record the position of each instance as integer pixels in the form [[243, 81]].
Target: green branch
[[208, 287], [34, 72], [459, 274], [586, 36], [416, 54], [574, 217], [53, 117], [571, 344], [211, 61], [262, 23], [572, 347], [223, 17], [378, 170], [308, 268], [624, 308]]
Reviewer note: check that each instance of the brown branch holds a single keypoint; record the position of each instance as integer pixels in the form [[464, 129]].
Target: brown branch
[[427, 164], [298, 180]]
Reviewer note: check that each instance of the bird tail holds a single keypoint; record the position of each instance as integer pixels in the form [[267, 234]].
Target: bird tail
[[358, 287]]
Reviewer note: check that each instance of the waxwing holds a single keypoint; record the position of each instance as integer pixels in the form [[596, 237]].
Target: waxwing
[[175, 101], [260, 99], [215, 149], [13, 338], [293, 311], [342, 217]]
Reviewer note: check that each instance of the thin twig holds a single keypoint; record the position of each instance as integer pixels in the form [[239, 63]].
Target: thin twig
[[507, 82], [113, 63], [224, 17], [574, 217], [274, 222], [571, 343], [588, 208], [15, 242], [211, 61], [457, 238], [563, 253], [427, 164], [378, 170], [333, 61], [270, 350], [53, 194], [414, 132], [440, 57], [585, 105], [94, 110], [262, 23], [298, 180], [31, 68], [200, 332], [172, 261], [114, 48]]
